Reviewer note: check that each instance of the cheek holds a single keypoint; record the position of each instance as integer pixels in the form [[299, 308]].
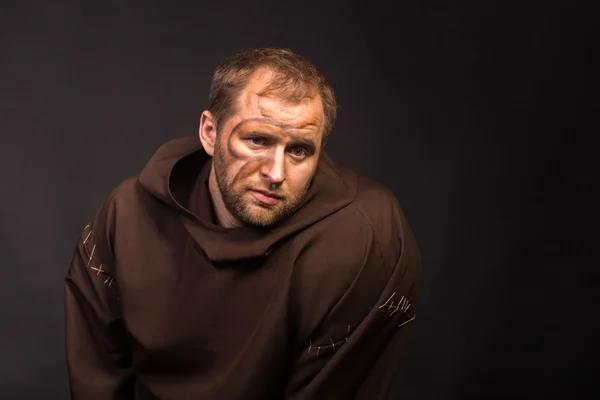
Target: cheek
[[243, 162], [300, 176], [238, 162], [243, 169]]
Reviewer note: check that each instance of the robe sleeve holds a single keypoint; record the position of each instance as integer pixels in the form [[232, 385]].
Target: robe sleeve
[[98, 360], [355, 353]]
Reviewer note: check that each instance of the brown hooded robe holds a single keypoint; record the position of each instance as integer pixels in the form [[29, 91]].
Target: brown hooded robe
[[162, 303]]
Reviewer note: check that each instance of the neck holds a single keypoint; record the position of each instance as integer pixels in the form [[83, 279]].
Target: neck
[[224, 217]]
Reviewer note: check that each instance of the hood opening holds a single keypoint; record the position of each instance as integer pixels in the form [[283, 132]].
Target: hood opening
[[178, 173]]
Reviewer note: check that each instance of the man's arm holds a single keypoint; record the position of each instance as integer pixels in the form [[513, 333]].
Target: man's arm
[[355, 352], [98, 360]]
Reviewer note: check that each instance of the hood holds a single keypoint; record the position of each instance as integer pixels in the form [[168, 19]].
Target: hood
[[172, 172]]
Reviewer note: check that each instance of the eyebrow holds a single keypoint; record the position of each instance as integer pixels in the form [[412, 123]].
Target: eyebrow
[[269, 121], [309, 144]]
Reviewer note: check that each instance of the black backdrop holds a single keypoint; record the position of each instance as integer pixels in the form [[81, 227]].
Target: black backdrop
[[472, 114]]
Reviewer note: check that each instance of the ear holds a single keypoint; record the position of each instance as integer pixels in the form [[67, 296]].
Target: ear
[[208, 132]]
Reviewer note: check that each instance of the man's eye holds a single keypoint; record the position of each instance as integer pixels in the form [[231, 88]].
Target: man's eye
[[257, 141], [298, 152]]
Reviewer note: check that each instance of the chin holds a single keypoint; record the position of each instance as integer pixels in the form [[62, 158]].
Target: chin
[[261, 216]]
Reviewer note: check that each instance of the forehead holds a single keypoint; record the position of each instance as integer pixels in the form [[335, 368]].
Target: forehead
[[261, 106]]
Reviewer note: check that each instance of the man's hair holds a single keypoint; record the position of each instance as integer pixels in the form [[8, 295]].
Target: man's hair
[[294, 78]]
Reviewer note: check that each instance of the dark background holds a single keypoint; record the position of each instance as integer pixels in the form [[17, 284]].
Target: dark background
[[473, 114]]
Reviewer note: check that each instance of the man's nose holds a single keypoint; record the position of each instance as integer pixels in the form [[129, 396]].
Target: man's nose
[[274, 167]]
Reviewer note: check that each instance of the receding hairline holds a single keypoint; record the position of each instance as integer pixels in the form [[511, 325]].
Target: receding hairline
[[302, 91], [279, 85], [291, 78]]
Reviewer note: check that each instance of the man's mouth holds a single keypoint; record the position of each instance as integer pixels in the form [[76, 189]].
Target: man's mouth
[[266, 197]]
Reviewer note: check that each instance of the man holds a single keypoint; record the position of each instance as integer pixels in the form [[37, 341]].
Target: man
[[246, 264]]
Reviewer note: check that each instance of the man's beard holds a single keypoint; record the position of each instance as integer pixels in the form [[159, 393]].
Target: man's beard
[[255, 215]]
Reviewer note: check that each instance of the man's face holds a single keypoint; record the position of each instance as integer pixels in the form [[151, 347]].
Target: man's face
[[266, 155]]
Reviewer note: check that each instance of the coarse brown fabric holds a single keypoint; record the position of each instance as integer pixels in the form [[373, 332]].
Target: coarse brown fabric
[[162, 303]]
